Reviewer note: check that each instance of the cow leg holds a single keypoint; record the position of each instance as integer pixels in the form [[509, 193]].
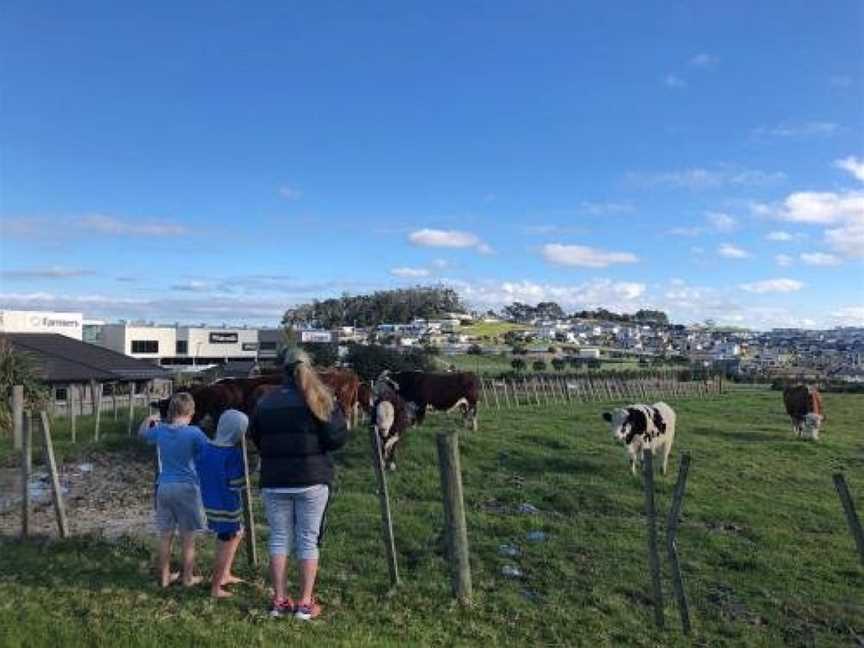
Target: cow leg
[[472, 412], [390, 451], [666, 452]]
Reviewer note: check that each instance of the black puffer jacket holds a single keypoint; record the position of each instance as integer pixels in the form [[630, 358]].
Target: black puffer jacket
[[293, 444]]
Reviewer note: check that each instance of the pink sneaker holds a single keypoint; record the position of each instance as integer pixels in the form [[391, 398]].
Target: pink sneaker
[[282, 608], [308, 611]]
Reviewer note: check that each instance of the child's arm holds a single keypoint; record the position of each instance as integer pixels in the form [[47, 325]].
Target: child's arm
[[147, 429]]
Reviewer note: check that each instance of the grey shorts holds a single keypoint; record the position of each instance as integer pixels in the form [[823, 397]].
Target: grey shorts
[[296, 520], [179, 506]]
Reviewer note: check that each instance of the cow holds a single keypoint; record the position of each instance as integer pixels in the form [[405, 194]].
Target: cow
[[391, 415], [210, 400], [804, 406], [641, 427], [443, 391]]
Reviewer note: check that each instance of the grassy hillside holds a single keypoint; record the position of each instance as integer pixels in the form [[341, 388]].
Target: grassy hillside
[[766, 554], [492, 329]]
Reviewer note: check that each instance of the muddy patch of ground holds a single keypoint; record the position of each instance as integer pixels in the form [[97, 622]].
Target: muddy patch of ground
[[107, 494]]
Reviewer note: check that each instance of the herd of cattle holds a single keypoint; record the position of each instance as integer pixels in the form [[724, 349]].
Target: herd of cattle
[[394, 401], [397, 400]]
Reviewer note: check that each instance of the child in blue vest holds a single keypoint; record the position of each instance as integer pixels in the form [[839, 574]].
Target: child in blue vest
[[222, 476], [178, 498]]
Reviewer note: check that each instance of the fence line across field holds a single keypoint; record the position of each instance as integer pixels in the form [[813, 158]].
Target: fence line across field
[[505, 393]]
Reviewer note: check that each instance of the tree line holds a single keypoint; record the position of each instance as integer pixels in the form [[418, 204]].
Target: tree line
[[399, 306]]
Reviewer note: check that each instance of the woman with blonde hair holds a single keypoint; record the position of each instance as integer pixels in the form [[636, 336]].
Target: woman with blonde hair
[[295, 427]]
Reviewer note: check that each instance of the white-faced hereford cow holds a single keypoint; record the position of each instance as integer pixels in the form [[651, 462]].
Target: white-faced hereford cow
[[804, 406], [443, 391], [392, 416], [643, 426]]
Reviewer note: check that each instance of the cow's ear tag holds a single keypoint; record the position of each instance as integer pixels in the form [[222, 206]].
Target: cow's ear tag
[[607, 416]]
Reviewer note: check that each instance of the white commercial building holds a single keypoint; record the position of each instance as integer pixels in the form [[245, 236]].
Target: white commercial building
[[182, 345], [17, 321]]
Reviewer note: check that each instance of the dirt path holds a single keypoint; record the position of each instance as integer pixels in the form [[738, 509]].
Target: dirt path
[[106, 493]]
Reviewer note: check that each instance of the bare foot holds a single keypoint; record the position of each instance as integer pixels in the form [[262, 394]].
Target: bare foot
[[220, 593], [231, 579], [173, 577], [192, 582]]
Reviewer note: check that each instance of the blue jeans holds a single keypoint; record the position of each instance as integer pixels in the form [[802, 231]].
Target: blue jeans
[[296, 520]]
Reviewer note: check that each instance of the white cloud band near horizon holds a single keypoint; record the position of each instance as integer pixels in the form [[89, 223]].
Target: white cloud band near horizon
[[772, 286]]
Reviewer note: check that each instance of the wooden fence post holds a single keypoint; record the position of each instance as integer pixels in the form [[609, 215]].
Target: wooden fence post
[[56, 492], [384, 502], [851, 514], [96, 389], [672, 542], [454, 515], [495, 393], [114, 399], [26, 470], [248, 514], [651, 522], [71, 391], [131, 406], [17, 416]]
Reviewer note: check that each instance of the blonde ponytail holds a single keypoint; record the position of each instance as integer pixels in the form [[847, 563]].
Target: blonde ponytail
[[317, 395]]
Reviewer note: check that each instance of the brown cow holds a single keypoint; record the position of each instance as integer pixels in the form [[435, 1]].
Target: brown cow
[[243, 393], [804, 406], [443, 391]]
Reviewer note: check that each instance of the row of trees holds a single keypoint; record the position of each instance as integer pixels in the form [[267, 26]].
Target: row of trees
[[519, 312], [385, 306]]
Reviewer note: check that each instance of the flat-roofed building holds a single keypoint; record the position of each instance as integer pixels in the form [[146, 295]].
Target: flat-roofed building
[[27, 321]]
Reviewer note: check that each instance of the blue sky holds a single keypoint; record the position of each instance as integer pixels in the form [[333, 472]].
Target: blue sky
[[211, 162]]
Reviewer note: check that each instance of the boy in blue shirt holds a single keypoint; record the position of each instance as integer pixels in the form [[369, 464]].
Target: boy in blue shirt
[[220, 469], [178, 496]]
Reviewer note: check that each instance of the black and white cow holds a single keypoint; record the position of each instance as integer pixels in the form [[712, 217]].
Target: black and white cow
[[642, 427]]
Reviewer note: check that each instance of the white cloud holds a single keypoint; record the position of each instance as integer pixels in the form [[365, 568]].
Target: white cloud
[[784, 260], [722, 222], [817, 207], [772, 286], [448, 239], [730, 251], [780, 235], [53, 272], [583, 256], [672, 81], [409, 273], [802, 129], [847, 240], [853, 165], [605, 208], [193, 285], [290, 193], [700, 178], [617, 295], [440, 263], [115, 226], [820, 259], [686, 231], [704, 60], [849, 316]]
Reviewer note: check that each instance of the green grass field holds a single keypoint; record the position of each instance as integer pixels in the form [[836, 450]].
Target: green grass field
[[492, 329], [766, 554]]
